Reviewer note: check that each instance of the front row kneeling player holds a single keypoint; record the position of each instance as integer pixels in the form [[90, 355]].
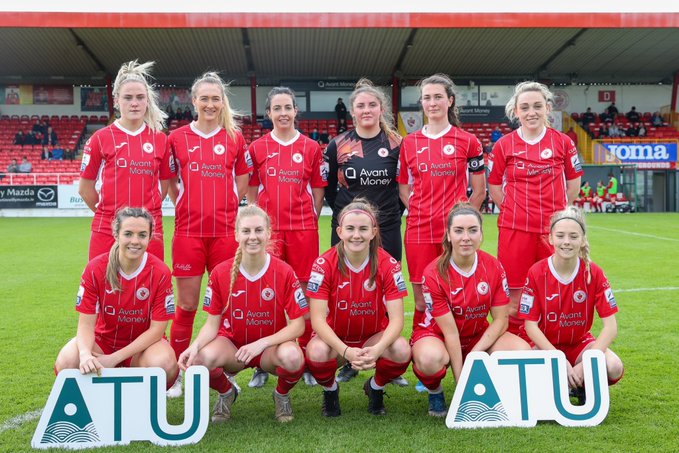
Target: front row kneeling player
[[249, 299], [125, 302], [356, 292], [560, 296], [460, 288]]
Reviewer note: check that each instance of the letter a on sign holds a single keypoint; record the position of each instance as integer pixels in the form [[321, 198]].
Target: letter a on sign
[[120, 406], [518, 388]]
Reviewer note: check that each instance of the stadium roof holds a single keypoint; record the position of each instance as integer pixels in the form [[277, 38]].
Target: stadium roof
[[67, 47]]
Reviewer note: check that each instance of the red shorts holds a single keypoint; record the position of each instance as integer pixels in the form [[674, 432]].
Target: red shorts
[[574, 350], [298, 248], [101, 243], [254, 363], [127, 363], [418, 256], [191, 256], [352, 344], [467, 344], [518, 251]]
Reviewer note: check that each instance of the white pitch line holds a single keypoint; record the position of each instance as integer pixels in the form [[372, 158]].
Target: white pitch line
[[633, 233], [16, 422], [638, 290]]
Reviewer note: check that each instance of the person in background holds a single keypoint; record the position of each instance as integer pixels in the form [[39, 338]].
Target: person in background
[[25, 166]]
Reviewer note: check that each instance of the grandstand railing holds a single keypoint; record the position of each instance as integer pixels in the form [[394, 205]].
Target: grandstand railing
[[37, 179]]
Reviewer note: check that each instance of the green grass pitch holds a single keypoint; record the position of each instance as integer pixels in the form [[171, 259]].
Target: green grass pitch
[[40, 265]]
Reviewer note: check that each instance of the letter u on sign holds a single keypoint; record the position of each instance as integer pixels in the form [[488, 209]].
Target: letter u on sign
[[122, 405], [518, 388]]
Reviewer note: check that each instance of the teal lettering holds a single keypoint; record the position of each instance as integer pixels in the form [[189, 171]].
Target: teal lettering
[[521, 363], [117, 399]]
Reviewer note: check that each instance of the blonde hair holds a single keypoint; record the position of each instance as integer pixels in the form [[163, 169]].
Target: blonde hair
[[462, 208], [510, 108], [113, 266], [577, 215], [362, 206], [386, 121], [132, 71], [449, 86], [226, 115], [250, 210]]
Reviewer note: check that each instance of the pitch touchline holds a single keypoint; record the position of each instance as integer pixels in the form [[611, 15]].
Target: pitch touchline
[[662, 238], [16, 422]]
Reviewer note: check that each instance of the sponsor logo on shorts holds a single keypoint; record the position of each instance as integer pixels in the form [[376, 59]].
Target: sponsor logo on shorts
[[268, 294], [301, 299], [400, 281], [526, 303], [143, 293], [315, 281], [219, 149], [182, 267], [147, 147], [169, 304], [449, 150], [546, 153], [207, 300], [383, 152], [580, 296], [297, 158], [482, 288]]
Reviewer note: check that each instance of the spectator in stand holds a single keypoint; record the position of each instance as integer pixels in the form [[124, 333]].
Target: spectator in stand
[[50, 137], [13, 167], [612, 110], [46, 153], [315, 135], [19, 138], [632, 130], [340, 111], [496, 134], [615, 132], [187, 114], [30, 138], [603, 131], [588, 117], [170, 112], [633, 115], [656, 119], [37, 127], [573, 135], [342, 127], [642, 130], [25, 166], [324, 138]]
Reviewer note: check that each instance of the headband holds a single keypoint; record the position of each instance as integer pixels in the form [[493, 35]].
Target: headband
[[358, 211], [578, 221]]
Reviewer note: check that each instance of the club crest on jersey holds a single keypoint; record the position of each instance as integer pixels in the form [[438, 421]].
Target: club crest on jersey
[[297, 158], [143, 293], [268, 294], [79, 297], [546, 153], [579, 296], [122, 163], [315, 281], [300, 298], [368, 287], [147, 147], [526, 303], [219, 149], [482, 288], [449, 150], [383, 152], [85, 161]]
